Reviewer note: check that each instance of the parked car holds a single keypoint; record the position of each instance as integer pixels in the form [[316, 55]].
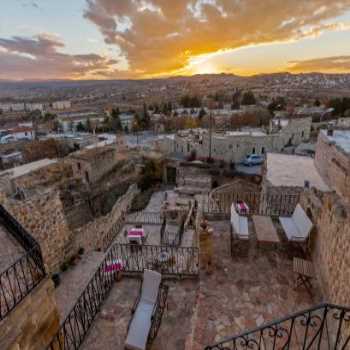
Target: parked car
[[253, 159]]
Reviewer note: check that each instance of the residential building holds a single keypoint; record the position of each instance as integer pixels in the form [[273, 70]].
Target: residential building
[[59, 105], [127, 120]]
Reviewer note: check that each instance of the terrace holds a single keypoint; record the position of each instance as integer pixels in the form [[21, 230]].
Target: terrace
[[203, 307], [240, 294]]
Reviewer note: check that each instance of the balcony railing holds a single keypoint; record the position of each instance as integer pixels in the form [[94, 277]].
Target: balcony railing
[[258, 203], [145, 218], [325, 326], [170, 261], [19, 280], [74, 328]]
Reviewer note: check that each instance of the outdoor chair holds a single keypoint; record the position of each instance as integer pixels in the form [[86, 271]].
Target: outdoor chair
[[298, 227], [239, 224], [147, 311]]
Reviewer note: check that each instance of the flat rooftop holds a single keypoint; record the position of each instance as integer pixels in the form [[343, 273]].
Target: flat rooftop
[[27, 168], [340, 138], [292, 171]]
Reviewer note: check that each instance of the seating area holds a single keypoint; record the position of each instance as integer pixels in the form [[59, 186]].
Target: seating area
[[147, 312], [295, 228]]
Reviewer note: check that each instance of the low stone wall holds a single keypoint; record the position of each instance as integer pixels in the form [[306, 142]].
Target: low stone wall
[[330, 243], [43, 217], [33, 323], [99, 233]]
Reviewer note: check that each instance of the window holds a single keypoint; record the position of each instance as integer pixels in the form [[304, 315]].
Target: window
[[302, 133], [262, 150], [188, 147], [87, 177], [253, 151], [79, 166]]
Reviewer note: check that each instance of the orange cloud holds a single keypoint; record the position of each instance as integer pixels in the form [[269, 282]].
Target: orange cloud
[[162, 36], [335, 64], [39, 58]]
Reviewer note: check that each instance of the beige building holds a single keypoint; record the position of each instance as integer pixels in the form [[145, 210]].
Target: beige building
[[234, 146], [92, 164]]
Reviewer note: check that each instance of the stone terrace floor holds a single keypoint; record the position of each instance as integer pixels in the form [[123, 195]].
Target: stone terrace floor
[[10, 249], [240, 294]]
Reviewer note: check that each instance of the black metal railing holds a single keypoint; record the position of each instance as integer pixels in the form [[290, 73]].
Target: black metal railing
[[17, 281], [17, 230], [170, 261], [172, 238], [258, 203], [144, 217], [74, 328], [112, 233], [158, 312], [325, 326]]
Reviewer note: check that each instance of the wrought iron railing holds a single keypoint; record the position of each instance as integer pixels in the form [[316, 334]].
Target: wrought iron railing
[[112, 233], [74, 328], [170, 261], [144, 217], [172, 238], [158, 312], [17, 281], [17, 230], [258, 203], [325, 326]]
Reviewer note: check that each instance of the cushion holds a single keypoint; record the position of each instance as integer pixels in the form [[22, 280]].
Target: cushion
[[150, 286], [139, 327]]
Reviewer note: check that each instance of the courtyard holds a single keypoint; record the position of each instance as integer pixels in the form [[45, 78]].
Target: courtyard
[[239, 294]]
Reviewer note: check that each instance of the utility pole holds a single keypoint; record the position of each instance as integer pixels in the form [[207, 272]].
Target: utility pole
[[210, 133]]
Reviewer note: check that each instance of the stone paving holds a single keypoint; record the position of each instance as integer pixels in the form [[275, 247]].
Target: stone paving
[[74, 281], [10, 249], [109, 329], [245, 293], [240, 294]]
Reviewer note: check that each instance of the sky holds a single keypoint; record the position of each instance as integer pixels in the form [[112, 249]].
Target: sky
[[118, 39]]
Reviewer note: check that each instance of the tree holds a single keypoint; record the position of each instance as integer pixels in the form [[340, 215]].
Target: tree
[[114, 122], [146, 119], [277, 104], [248, 99], [80, 127], [88, 125], [202, 113], [188, 101]]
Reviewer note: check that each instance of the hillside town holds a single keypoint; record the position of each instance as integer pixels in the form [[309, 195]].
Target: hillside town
[[209, 212]]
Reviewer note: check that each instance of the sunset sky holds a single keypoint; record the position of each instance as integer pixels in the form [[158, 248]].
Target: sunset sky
[[112, 39]]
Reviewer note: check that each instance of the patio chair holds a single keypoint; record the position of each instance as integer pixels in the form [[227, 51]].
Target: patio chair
[[239, 224], [147, 311], [298, 227]]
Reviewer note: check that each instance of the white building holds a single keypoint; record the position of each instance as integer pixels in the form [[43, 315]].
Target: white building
[[19, 133], [234, 146], [59, 105], [34, 107], [127, 120], [12, 107]]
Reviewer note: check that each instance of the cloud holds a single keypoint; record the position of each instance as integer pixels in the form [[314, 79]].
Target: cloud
[[161, 36], [40, 58], [334, 64]]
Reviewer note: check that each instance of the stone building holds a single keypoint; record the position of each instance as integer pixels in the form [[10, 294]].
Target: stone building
[[332, 159], [92, 164], [233, 146]]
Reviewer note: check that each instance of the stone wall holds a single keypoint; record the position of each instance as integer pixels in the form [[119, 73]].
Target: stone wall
[[333, 165], [43, 217], [330, 243], [33, 323], [99, 233], [44, 177]]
